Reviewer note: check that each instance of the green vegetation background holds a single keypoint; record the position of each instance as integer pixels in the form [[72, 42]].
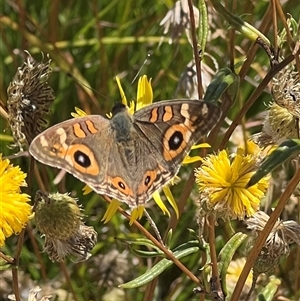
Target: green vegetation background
[[91, 42]]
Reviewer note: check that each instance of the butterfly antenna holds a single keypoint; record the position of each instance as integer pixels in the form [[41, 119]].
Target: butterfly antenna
[[82, 84], [144, 63], [139, 71]]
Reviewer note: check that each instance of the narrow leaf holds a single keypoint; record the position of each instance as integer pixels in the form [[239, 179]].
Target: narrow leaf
[[284, 151], [157, 269]]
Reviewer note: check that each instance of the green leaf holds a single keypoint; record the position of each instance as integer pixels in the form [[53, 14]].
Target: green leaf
[[4, 265], [146, 254], [226, 254], [157, 269], [169, 238], [284, 151], [223, 79], [239, 24], [131, 242], [267, 294], [203, 26]]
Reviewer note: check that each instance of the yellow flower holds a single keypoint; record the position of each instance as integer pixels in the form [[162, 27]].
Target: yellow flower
[[233, 273], [222, 182], [14, 209], [144, 95]]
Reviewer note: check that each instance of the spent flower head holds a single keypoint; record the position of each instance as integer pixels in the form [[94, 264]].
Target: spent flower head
[[277, 243], [222, 180], [282, 234], [286, 89], [59, 218], [78, 245], [14, 208], [29, 99], [282, 119], [188, 82], [278, 126]]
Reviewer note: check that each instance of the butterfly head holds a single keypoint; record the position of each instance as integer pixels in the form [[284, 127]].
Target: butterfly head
[[118, 108]]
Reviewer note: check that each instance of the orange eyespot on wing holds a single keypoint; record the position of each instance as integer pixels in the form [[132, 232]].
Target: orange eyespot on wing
[[175, 141], [147, 181], [121, 186], [78, 156], [84, 159]]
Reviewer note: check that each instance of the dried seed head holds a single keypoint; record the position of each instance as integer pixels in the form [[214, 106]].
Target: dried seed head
[[57, 215], [286, 90], [279, 125], [282, 120], [33, 295], [277, 243], [78, 246], [59, 218], [29, 99], [188, 82]]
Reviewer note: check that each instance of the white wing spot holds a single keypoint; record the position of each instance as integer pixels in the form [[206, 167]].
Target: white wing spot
[[62, 135], [44, 142], [184, 110], [204, 109]]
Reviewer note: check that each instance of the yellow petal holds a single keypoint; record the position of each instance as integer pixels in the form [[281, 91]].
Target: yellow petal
[[144, 92], [109, 115], [79, 113], [131, 108], [159, 202], [201, 145], [111, 210], [171, 199], [189, 160], [136, 213], [87, 189], [14, 208], [123, 97]]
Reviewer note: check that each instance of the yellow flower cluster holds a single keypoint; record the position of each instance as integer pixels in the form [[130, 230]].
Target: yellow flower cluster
[[14, 208]]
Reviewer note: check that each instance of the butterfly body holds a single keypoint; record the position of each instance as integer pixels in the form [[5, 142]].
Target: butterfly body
[[127, 157]]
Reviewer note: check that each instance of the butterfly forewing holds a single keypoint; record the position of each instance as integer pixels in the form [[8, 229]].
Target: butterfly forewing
[[173, 127], [72, 146]]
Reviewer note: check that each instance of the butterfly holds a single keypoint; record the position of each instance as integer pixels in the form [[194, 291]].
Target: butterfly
[[127, 157]]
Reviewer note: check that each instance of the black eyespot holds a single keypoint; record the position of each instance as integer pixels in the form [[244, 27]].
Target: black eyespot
[[82, 159], [53, 150], [121, 185], [175, 140], [147, 180]]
